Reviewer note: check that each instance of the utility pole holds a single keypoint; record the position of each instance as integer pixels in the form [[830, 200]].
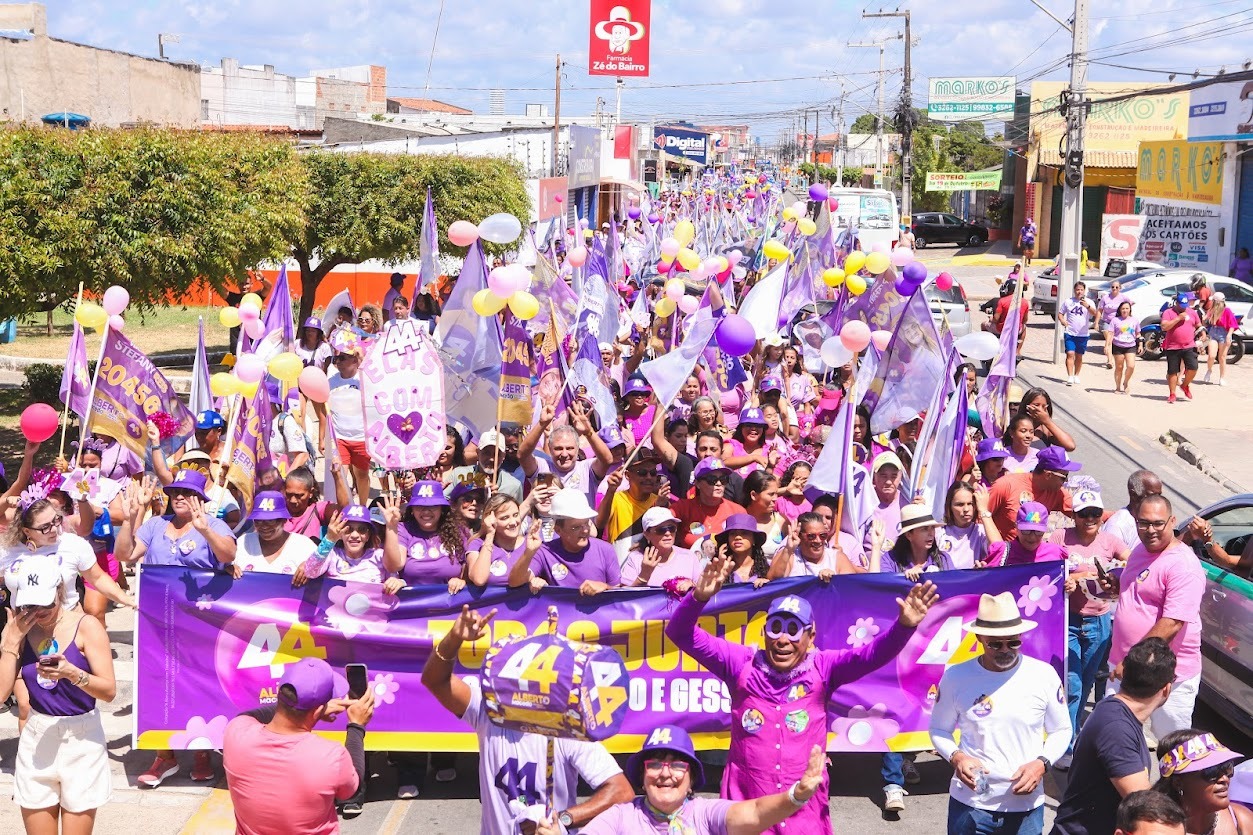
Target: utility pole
[[618, 85], [805, 139], [879, 45], [557, 118], [1075, 109], [906, 120], [840, 141]]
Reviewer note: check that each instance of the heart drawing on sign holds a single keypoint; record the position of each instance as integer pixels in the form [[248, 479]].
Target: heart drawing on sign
[[405, 427]]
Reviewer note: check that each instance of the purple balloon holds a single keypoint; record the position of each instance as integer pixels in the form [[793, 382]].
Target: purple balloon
[[634, 213], [735, 335], [818, 191], [904, 286], [654, 218], [915, 271]]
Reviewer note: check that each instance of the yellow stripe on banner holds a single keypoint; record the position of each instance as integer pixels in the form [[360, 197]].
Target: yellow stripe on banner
[[216, 814]]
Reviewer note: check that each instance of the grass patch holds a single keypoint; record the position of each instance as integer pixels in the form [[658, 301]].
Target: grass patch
[[166, 330]]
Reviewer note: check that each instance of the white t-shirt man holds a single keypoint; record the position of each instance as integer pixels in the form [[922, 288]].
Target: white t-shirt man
[[287, 439], [73, 553], [1003, 718], [344, 405], [512, 765], [295, 551]]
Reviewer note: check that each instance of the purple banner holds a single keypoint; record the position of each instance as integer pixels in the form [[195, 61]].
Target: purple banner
[[210, 647], [129, 390]]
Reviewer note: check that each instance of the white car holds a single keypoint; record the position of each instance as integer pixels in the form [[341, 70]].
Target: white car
[[1044, 285], [1148, 291]]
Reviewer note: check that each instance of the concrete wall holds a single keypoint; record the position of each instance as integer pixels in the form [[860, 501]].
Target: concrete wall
[[240, 95], [531, 147], [46, 75]]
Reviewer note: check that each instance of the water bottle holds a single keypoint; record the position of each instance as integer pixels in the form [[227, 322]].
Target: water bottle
[[981, 782]]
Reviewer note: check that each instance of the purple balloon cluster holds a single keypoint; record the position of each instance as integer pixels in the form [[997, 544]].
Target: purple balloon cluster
[[911, 278]]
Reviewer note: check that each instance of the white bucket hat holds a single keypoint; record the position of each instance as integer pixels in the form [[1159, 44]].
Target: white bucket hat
[[571, 504]]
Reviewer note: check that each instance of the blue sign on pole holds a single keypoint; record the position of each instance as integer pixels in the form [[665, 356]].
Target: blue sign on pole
[[680, 142]]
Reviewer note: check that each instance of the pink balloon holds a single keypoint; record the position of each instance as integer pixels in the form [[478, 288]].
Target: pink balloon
[[881, 339], [39, 422], [115, 300], [711, 265], [855, 335], [250, 368], [501, 282], [663, 267], [734, 257], [901, 256], [463, 233], [670, 247], [689, 304], [558, 198], [117, 323], [249, 312], [314, 385], [577, 256], [881, 246], [255, 329], [833, 203], [944, 281]]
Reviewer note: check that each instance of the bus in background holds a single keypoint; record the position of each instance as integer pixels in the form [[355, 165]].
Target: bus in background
[[871, 211]]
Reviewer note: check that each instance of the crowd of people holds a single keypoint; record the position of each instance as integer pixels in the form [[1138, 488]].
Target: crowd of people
[[690, 495]]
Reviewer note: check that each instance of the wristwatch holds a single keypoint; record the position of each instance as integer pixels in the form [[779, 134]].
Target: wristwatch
[[985, 514], [565, 820], [1047, 765]]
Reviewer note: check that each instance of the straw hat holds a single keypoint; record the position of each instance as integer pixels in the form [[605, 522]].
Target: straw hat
[[999, 616]]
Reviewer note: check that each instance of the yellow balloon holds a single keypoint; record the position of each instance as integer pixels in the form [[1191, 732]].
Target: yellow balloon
[[524, 305], [246, 389], [228, 317], [833, 277], [286, 367], [806, 226], [689, 259], [684, 232], [856, 284], [877, 263], [789, 214], [776, 251], [723, 264], [252, 298], [587, 233], [854, 262], [666, 259], [665, 306], [487, 303], [223, 384], [91, 315]]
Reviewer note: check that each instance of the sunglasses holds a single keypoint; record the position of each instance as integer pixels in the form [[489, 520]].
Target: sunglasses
[[677, 767], [50, 527], [179, 493], [1089, 513], [358, 528], [1008, 643], [789, 628], [715, 479], [644, 473], [1217, 772], [665, 529]]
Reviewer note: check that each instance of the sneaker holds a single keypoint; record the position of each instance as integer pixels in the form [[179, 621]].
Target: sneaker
[[407, 792], [1207, 376], [1170, 399], [893, 799], [202, 768], [445, 775], [1070, 381], [351, 809], [912, 777], [1187, 392], [1222, 381], [157, 772], [1063, 762]]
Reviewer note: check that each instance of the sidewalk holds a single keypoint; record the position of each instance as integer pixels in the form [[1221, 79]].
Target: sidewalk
[[1211, 431]]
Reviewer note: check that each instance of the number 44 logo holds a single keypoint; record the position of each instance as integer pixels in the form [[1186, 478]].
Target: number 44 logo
[[268, 648]]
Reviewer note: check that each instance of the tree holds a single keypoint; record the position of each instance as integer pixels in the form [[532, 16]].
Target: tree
[[865, 123], [364, 206], [155, 211]]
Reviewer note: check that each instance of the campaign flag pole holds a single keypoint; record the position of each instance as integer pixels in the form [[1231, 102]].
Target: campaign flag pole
[[79, 338], [95, 380]]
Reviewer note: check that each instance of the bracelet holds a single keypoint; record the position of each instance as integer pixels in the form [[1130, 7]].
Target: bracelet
[[83, 679], [441, 657], [791, 796]]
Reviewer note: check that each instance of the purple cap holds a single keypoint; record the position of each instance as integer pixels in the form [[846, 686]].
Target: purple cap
[[990, 448], [752, 416], [707, 466], [1196, 754], [1055, 458], [744, 523], [313, 322], [1032, 516], [772, 383], [463, 488], [427, 494], [792, 606], [357, 513], [311, 682], [611, 435], [269, 505], [189, 479], [666, 739], [636, 385]]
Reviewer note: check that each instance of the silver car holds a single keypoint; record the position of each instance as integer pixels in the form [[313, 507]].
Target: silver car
[[1227, 614]]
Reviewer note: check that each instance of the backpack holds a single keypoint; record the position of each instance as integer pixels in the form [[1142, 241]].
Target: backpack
[[309, 448]]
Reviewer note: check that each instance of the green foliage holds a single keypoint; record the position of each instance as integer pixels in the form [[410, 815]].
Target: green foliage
[[828, 174], [865, 123], [365, 206], [152, 210], [43, 384], [1000, 209]]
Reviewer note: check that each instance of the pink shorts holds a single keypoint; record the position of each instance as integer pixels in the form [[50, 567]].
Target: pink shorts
[[109, 565]]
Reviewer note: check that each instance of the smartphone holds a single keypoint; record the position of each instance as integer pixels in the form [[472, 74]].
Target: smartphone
[[51, 660], [1100, 569], [358, 680]]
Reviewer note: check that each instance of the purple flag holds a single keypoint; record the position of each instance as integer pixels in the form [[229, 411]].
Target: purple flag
[[470, 347], [880, 307], [278, 318], [587, 377], [725, 371], [201, 397], [667, 373], [907, 375], [993, 398], [515, 374], [75, 382], [249, 446], [428, 248], [129, 390], [941, 442]]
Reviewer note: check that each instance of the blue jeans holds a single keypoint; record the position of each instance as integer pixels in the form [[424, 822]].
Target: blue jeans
[[1087, 650], [891, 771], [967, 820]]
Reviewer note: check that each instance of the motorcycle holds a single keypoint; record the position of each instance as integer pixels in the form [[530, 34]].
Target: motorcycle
[[1152, 335]]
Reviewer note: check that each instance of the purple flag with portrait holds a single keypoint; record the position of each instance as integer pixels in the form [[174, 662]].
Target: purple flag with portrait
[[75, 382], [470, 349], [911, 365], [993, 398]]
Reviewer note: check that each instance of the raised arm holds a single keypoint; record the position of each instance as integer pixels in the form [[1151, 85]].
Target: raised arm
[[451, 692], [719, 655], [530, 441], [393, 551], [22, 479]]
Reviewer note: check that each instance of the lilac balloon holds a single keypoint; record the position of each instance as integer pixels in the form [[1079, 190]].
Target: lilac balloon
[[654, 218], [818, 191], [634, 213], [735, 335], [915, 271]]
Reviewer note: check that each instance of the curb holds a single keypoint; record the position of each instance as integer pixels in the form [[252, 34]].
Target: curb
[[1176, 442], [12, 363]]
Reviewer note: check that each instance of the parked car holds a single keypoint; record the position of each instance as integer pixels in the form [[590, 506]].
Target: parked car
[[943, 228], [1149, 291], [1044, 285], [949, 306], [1227, 614]]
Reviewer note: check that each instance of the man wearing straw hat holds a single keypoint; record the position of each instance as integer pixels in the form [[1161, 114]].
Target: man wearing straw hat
[[1002, 703]]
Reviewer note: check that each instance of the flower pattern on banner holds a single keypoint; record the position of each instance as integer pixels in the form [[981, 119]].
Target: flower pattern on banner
[[862, 632], [204, 602], [864, 730], [1036, 596], [358, 607], [200, 735], [385, 688]]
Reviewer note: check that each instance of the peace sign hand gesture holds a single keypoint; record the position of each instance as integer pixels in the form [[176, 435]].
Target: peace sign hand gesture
[[336, 528]]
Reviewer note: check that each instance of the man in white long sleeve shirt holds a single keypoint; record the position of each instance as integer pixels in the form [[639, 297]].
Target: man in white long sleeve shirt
[[1010, 710]]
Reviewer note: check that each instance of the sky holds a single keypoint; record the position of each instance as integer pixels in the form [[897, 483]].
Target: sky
[[755, 62]]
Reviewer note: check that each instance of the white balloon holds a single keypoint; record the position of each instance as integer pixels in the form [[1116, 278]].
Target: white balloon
[[500, 228], [978, 346], [834, 353], [689, 304]]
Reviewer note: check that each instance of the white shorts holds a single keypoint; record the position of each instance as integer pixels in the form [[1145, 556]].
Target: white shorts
[[62, 761]]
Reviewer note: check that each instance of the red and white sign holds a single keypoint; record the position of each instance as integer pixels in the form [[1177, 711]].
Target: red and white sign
[[551, 188], [1120, 237], [618, 37]]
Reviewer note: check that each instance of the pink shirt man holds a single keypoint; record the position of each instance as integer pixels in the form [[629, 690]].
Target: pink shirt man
[[1155, 586]]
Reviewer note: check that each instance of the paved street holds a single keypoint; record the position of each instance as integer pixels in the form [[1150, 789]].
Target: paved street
[[1115, 434]]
